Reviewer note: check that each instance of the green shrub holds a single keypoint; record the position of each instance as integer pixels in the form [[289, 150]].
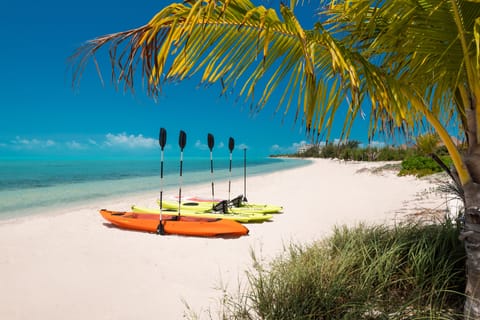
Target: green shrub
[[421, 166], [408, 272], [328, 151]]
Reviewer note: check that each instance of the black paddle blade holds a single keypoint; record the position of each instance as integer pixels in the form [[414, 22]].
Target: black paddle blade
[[162, 138], [211, 141], [231, 144], [182, 139]]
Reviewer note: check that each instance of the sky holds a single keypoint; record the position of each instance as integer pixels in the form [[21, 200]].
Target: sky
[[42, 115]]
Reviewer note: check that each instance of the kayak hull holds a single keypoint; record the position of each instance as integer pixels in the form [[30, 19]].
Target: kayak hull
[[236, 203], [178, 225], [239, 217], [246, 208]]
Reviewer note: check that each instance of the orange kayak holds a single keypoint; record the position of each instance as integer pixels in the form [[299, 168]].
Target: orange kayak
[[179, 225]]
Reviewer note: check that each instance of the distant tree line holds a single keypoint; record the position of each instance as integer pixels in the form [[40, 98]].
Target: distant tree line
[[352, 150], [424, 158]]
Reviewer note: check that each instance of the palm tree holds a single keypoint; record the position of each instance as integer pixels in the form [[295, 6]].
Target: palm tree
[[412, 63]]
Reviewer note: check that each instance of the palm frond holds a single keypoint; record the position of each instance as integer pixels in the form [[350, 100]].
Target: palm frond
[[366, 55], [233, 42], [417, 42]]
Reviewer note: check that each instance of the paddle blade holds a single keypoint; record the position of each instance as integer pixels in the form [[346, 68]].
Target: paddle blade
[[162, 137], [182, 139], [231, 144], [211, 141]]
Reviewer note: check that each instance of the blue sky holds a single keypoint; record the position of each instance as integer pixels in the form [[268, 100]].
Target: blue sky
[[43, 115]]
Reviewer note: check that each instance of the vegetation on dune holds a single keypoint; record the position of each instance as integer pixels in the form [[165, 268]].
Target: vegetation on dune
[[426, 157], [353, 151], [421, 166], [365, 272]]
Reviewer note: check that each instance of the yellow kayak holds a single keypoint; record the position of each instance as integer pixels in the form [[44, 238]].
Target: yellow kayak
[[239, 217], [234, 206]]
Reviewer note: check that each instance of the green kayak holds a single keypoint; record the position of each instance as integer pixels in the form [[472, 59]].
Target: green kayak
[[240, 217], [236, 206]]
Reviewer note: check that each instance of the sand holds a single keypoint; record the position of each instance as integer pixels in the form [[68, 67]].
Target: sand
[[71, 264]]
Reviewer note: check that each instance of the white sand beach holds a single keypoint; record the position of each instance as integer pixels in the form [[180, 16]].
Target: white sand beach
[[71, 264]]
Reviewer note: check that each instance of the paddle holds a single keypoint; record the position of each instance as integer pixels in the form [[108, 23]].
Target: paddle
[[231, 145], [245, 175], [211, 142], [182, 141], [162, 140]]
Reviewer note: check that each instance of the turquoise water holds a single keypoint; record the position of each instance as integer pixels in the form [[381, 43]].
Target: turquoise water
[[28, 186]]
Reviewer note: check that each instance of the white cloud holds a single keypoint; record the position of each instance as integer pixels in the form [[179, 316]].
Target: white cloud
[[121, 140], [129, 141], [275, 148], [201, 146], [75, 145], [20, 143]]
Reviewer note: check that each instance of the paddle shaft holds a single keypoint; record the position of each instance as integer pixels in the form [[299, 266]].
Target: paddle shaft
[[245, 174], [230, 178], [211, 175], [161, 229], [231, 145], [161, 184], [162, 139], [182, 141], [180, 182], [211, 142]]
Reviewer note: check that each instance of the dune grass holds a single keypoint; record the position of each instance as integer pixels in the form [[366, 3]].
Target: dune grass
[[409, 271]]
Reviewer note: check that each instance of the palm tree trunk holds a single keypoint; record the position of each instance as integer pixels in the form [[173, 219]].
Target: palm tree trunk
[[471, 235]]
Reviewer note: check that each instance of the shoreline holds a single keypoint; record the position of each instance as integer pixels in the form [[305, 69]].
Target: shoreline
[[78, 194], [72, 264]]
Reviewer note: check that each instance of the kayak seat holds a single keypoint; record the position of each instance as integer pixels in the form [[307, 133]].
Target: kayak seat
[[237, 201], [221, 207]]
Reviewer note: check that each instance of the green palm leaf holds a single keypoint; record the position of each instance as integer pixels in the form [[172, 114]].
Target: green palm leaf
[[392, 46], [231, 41]]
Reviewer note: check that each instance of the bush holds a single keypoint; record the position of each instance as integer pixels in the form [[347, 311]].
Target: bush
[[329, 151], [408, 272], [421, 166]]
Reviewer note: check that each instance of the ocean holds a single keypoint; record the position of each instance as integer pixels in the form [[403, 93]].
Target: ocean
[[29, 186]]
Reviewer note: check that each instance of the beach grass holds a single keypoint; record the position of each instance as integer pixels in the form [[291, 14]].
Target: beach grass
[[410, 271]]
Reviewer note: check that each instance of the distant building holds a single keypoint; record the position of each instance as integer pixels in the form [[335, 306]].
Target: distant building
[[304, 148]]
